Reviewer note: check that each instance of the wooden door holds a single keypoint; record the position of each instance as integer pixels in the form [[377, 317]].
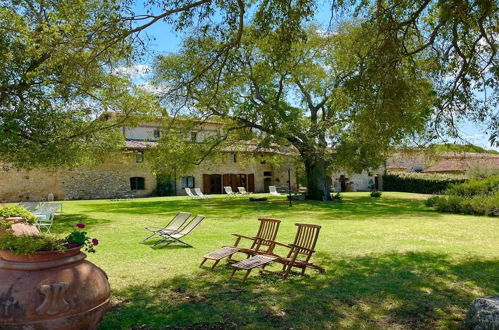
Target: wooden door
[[207, 183], [251, 182], [267, 182], [216, 184], [233, 182], [242, 182], [226, 180]]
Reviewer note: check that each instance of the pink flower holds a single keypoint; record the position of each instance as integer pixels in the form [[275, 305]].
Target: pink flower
[[95, 241], [80, 225], [73, 245]]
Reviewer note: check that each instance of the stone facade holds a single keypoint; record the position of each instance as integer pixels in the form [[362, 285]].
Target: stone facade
[[108, 180], [127, 173], [263, 174]]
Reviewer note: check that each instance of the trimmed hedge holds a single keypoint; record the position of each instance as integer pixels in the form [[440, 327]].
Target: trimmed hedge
[[420, 183]]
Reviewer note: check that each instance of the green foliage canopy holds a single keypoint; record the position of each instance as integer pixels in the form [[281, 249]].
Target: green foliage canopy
[[57, 76]]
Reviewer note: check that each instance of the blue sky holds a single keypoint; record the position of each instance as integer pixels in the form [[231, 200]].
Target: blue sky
[[165, 40]]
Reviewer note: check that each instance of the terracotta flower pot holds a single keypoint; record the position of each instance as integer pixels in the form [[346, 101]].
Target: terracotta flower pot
[[51, 290], [41, 256]]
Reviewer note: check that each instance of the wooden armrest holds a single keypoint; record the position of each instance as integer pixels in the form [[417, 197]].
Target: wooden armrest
[[275, 243], [243, 236], [299, 247]]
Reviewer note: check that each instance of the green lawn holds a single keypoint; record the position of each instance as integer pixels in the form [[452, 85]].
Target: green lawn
[[390, 262]]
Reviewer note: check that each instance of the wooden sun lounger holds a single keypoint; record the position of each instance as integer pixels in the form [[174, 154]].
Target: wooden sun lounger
[[299, 255], [267, 231]]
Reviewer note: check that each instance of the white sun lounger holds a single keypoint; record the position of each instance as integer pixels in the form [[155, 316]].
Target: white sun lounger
[[228, 191], [273, 191], [242, 191], [200, 193], [190, 194]]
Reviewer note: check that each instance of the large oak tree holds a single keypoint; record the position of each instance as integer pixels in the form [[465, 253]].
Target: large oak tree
[[322, 97]]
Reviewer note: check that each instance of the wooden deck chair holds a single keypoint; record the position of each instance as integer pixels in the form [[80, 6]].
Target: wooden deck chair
[[174, 225], [200, 193], [168, 238], [228, 191], [242, 191], [30, 206], [260, 243], [273, 191], [190, 194], [299, 255]]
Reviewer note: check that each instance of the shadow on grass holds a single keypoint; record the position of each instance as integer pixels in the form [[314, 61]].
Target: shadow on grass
[[410, 290], [65, 223], [357, 208]]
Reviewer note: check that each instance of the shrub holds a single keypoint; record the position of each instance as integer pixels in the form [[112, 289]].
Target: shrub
[[420, 182], [165, 186], [17, 211], [479, 205], [432, 201], [474, 188], [450, 204], [483, 205], [376, 193], [476, 171]]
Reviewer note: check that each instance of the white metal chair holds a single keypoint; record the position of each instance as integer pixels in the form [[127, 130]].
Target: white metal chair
[[45, 215], [30, 206]]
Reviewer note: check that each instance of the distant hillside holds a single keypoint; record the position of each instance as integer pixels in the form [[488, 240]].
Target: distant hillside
[[460, 148]]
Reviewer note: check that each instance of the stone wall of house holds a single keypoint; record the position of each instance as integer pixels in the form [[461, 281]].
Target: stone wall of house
[[108, 180], [112, 178], [249, 164], [17, 185], [95, 184]]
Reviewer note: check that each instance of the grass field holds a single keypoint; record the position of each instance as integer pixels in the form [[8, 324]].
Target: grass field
[[390, 263]]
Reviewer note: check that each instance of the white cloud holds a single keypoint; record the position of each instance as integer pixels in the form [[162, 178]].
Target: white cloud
[[134, 71], [154, 89]]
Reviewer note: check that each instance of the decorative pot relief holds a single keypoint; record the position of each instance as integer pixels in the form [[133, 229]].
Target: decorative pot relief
[[63, 292], [6, 305], [54, 302]]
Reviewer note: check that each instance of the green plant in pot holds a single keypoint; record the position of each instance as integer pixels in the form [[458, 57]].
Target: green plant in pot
[[8, 212], [32, 244]]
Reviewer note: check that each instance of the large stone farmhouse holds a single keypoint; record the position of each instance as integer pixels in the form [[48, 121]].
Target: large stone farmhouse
[[129, 174]]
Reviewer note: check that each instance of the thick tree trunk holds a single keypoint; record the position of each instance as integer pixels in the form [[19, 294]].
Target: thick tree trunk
[[316, 179]]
